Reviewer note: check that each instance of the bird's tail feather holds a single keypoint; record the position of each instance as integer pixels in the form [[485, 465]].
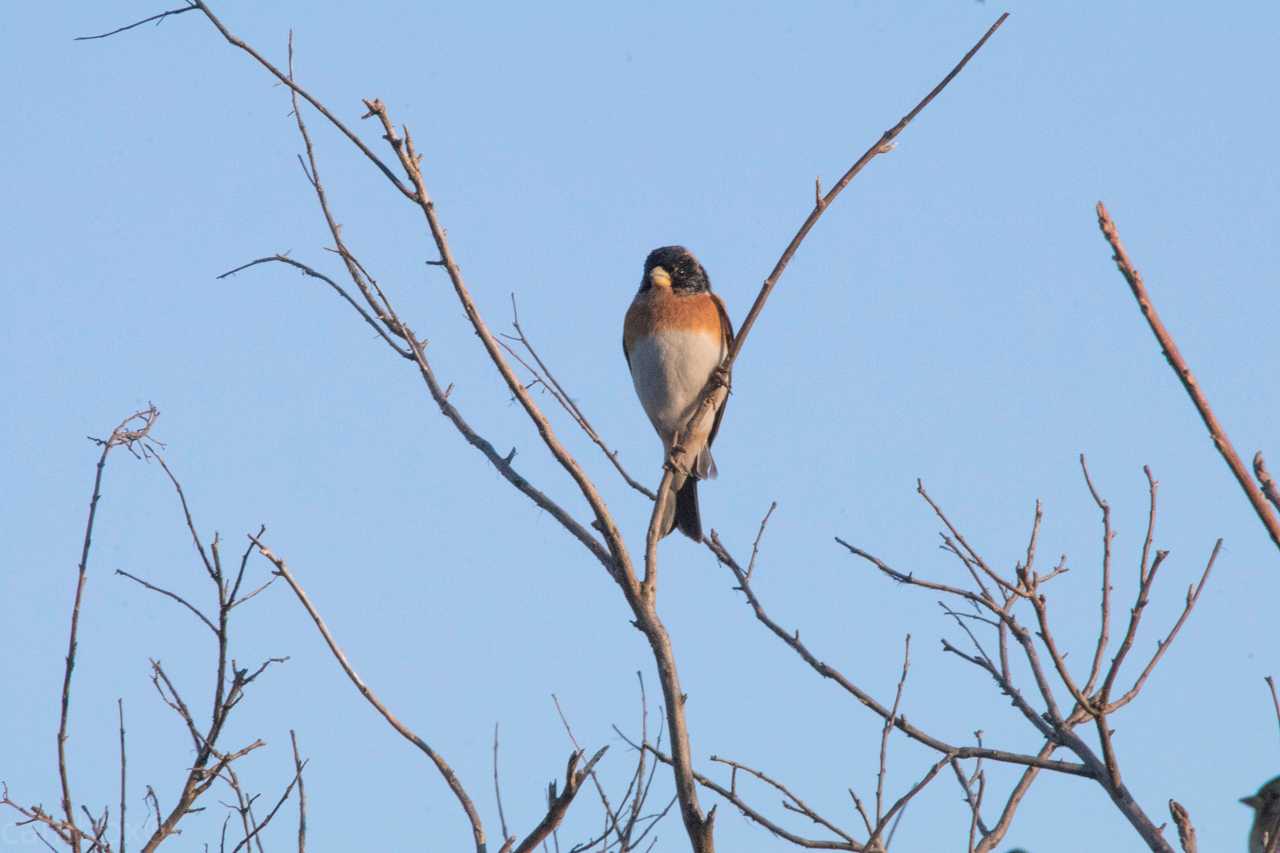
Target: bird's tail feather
[[687, 517], [705, 466]]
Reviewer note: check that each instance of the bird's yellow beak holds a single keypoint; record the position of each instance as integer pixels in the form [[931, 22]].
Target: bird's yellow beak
[[659, 277]]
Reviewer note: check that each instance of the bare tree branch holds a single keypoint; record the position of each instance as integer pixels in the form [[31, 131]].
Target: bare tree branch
[[122, 820], [792, 639], [1266, 514], [756, 817], [309, 271], [157, 18], [131, 430], [286, 80], [450, 778], [559, 806], [208, 623], [683, 455], [298, 764], [543, 374], [507, 837]]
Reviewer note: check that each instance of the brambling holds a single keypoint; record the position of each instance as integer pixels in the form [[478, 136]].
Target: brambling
[[675, 335], [1266, 819]]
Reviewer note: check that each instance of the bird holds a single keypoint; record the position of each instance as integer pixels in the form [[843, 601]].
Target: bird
[[1266, 818], [675, 336]]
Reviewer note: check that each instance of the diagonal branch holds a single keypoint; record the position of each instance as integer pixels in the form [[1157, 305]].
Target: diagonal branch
[[543, 374], [288, 81], [559, 805], [1266, 514], [718, 385], [450, 778]]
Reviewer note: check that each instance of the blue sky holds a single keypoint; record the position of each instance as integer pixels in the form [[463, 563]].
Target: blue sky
[[955, 317]]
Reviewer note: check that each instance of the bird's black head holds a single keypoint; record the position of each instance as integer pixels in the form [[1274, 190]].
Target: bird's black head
[[674, 267]]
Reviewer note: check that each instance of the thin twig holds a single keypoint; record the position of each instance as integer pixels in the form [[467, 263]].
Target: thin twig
[[888, 727], [1162, 646], [157, 18], [258, 827], [205, 619], [544, 375], [286, 80], [302, 794], [309, 271], [751, 813], [497, 789], [611, 817], [1104, 629], [450, 778], [122, 821], [1275, 700], [790, 802], [755, 546]]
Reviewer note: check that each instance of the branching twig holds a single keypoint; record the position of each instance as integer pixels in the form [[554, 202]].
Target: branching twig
[[131, 430], [752, 814], [157, 18], [792, 639], [543, 374], [298, 764]]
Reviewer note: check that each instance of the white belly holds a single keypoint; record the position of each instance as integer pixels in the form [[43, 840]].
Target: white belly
[[669, 370]]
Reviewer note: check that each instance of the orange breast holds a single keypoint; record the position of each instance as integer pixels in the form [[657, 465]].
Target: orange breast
[[663, 308]]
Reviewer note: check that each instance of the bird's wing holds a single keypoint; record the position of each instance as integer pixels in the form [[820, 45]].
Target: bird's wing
[[626, 323], [726, 332]]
